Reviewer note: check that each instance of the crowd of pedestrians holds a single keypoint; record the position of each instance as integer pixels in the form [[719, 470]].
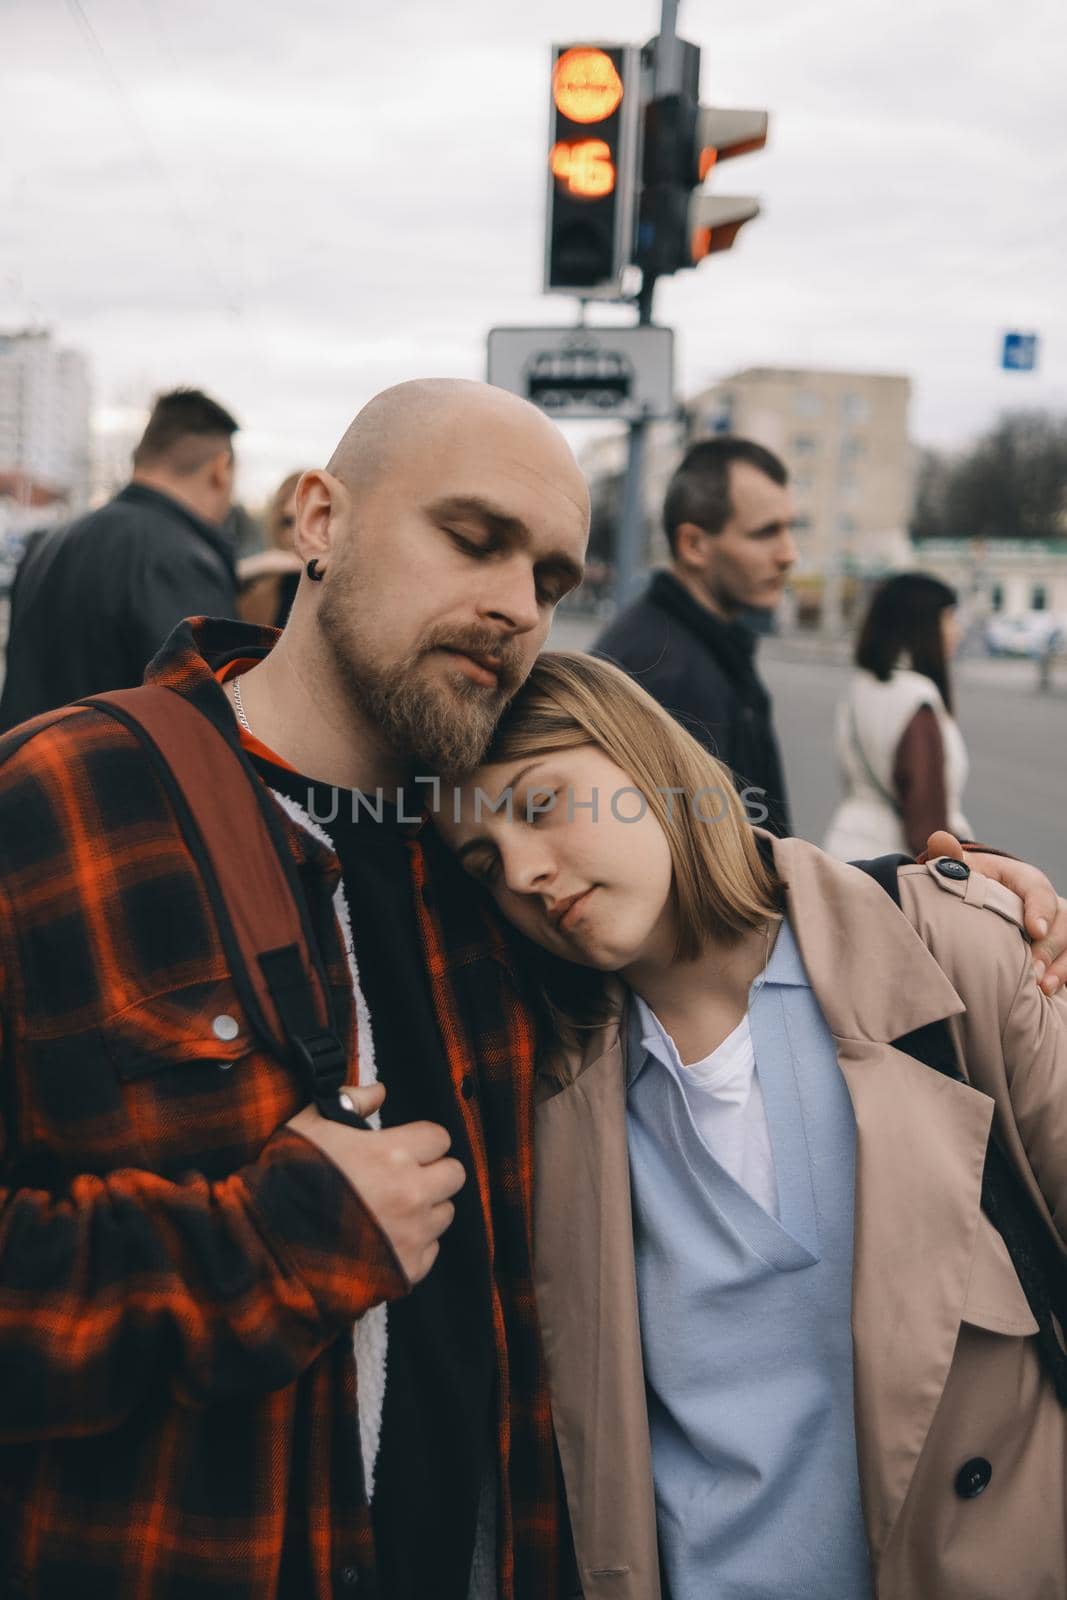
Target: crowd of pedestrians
[[449, 1152]]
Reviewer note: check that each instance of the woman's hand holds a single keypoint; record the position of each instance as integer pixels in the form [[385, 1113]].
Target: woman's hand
[[1044, 912]]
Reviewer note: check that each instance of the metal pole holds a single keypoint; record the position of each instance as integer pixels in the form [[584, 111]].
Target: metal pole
[[668, 79], [832, 622], [630, 553], [629, 556], [831, 618]]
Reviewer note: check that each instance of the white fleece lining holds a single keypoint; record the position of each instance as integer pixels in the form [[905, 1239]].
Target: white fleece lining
[[369, 1334]]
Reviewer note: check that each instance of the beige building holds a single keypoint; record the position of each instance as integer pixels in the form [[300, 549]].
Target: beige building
[[844, 438]]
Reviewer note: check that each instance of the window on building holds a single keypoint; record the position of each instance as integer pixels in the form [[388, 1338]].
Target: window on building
[[1038, 597], [718, 415], [853, 448], [846, 526], [806, 403], [801, 525], [996, 597], [855, 407], [804, 444]]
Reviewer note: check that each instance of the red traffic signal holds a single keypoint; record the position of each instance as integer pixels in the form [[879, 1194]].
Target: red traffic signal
[[591, 163]]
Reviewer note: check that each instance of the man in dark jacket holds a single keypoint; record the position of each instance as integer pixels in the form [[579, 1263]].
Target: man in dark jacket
[[92, 602], [728, 517]]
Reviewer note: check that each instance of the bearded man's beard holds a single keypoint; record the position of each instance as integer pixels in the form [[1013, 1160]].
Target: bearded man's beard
[[445, 729]]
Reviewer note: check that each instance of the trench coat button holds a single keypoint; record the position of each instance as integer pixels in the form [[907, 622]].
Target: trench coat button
[[973, 1477], [953, 869], [225, 1027], [348, 1580]]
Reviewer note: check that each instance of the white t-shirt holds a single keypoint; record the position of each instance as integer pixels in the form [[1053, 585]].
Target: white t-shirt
[[726, 1103]]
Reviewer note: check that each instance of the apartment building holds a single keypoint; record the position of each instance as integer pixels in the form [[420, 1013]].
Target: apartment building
[[44, 414]]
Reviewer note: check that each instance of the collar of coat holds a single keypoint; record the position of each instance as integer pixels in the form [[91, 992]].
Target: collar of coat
[[190, 656], [187, 663], [143, 494], [873, 975], [731, 643]]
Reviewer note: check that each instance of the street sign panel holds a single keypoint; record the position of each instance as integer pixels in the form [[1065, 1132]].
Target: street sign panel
[[623, 373], [1020, 352]]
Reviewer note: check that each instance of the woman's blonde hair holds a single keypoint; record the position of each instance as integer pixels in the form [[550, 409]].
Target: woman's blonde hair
[[721, 882], [278, 537]]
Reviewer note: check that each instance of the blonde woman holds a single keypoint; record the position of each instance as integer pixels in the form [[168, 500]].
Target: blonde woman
[[267, 581], [788, 1349]]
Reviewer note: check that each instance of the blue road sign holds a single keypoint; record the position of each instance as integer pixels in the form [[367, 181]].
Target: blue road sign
[[1020, 352]]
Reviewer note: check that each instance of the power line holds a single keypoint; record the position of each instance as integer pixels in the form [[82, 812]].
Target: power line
[[186, 223]]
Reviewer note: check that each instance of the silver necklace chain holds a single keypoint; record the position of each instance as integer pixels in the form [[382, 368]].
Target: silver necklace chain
[[235, 687]]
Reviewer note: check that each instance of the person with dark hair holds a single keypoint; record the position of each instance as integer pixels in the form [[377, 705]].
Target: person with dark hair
[[93, 601], [728, 517], [902, 757], [267, 581]]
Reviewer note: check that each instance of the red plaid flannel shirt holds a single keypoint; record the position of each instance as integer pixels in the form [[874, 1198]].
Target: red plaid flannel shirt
[[179, 1273]]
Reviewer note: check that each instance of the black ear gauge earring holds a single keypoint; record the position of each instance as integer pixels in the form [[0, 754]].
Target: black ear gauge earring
[[312, 570]]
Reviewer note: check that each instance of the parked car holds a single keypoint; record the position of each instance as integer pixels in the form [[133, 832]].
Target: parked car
[[1031, 633]]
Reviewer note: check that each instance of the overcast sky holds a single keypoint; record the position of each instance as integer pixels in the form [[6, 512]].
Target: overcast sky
[[294, 205]]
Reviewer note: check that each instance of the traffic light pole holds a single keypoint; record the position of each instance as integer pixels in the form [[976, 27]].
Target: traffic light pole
[[629, 557], [668, 78], [629, 554]]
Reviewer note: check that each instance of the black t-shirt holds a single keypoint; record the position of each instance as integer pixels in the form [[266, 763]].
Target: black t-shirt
[[439, 1374]]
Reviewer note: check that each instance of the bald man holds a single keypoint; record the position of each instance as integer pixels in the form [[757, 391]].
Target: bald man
[[226, 1367]]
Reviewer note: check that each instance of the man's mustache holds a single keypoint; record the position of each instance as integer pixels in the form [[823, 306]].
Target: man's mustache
[[505, 653]]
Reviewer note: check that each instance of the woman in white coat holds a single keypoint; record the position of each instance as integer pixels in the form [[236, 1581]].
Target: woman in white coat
[[902, 757]]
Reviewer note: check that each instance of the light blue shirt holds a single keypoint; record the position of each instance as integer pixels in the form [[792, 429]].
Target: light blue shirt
[[746, 1319]]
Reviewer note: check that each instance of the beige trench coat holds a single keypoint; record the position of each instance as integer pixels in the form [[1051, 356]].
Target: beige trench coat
[[946, 1368]]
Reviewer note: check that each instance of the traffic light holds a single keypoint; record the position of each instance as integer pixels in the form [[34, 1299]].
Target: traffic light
[[678, 225], [592, 168]]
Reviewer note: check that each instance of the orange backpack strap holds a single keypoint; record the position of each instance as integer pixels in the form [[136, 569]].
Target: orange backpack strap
[[230, 825]]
